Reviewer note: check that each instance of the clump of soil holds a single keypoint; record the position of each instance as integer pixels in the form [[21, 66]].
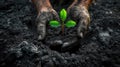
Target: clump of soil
[[19, 46]]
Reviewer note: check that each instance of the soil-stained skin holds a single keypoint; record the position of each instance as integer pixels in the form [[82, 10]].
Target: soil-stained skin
[[19, 46], [77, 11]]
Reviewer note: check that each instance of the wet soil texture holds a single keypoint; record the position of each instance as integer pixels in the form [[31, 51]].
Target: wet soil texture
[[19, 46]]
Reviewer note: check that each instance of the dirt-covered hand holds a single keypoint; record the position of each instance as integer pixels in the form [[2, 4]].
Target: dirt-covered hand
[[42, 19], [45, 14], [81, 15]]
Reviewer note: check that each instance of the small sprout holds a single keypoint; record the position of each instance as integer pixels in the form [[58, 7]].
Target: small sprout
[[70, 23], [54, 23], [63, 15]]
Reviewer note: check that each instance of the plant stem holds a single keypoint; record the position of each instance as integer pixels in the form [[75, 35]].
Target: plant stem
[[62, 27]]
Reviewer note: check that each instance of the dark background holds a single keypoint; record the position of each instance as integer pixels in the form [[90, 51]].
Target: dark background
[[19, 46]]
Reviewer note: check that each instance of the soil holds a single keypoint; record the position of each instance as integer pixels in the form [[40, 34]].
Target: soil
[[19, 46]]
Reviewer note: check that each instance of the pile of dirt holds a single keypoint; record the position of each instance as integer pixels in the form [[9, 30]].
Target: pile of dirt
[[19, 46]]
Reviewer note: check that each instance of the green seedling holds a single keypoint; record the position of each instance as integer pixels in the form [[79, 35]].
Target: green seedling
[[63, 16], [70, 23], [54, 23]]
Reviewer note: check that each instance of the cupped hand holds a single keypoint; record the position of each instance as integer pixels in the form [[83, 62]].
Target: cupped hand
[[44, 16], [81, 15]]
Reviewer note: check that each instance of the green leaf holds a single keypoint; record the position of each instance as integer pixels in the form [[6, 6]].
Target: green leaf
[[54, 23], [63, 14], [70, 23]]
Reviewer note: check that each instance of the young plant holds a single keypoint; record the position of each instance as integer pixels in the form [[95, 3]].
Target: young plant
[[63, 16]]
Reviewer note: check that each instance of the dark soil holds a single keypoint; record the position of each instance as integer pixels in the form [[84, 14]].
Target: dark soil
[[19, 46]]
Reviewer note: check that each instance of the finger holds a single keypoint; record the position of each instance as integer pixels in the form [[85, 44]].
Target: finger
[[73, 11], [41, 25], [73, 4], [41, 31], [83, 23], [55, 15], [81, 29]]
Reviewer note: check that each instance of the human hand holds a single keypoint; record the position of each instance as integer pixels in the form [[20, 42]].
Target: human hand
[[43, 17], [81, 15], [45, 14]]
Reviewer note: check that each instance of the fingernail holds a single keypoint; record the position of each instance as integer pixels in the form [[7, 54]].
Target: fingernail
[[81, 35], [39, 37]]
